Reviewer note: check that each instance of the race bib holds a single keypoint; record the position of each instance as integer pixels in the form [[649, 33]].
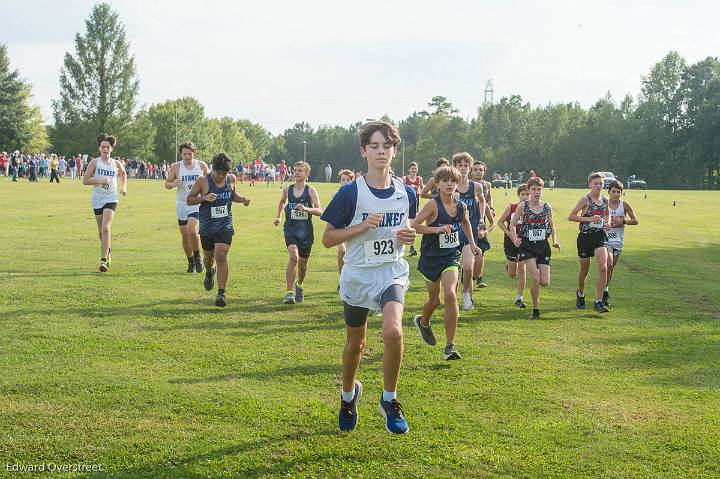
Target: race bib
[[298, 214], [598, 224], [219, 211], [449, 240], [537, 234], [380, 251], [613, 235]]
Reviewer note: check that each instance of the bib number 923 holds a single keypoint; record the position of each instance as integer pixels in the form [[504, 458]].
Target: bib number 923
[[380, 251]]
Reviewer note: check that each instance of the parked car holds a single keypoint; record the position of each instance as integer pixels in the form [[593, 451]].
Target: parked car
[[608, 178], [500, 183], [637, 185]]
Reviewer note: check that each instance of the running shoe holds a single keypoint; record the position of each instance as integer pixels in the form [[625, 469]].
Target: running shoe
[[199, 264], [395, 421], [535, 314], [479, 283], [412, 251], [348, 415], [289, 298], [579, 301], [600, 307], [103, 266], [606, 298], [467, 301], [451, 353], [519, 304], [209, 281], [220, 300], [426, 332], [299, 294], [191, 266]]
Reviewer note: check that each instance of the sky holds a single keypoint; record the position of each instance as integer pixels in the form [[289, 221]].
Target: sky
[[336, 63]]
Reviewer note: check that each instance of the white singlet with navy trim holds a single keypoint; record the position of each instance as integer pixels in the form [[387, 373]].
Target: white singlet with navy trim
[[104, 193], [616, 236], [374, 259], [187, 178]]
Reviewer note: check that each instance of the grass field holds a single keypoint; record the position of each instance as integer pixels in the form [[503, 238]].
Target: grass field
[[137, 372]]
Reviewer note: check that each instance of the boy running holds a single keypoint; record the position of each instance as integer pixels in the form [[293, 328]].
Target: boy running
[[215, 193], [470, 193], [300, 202], [430, 188], [592, 239], [514, 266], [478, 173], [416, 183], [102, 174], [440, 250], [616, 234], [371, 216], [183, 175], [535, 221], [346, 176]]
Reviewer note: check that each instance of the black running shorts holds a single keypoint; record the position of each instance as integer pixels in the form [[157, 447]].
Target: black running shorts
[[540, 250], [106, 206], [587, 243], [208, 241]]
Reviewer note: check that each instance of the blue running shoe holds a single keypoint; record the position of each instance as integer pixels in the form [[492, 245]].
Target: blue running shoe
[[392, 413], [348, 415]]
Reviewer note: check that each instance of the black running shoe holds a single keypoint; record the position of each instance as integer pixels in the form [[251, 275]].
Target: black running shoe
[[451, 353], [412, 251], [191, 266], [480, 284], [579, 301], [535, 314], [199, 265], [348, 415], [220, 300], [209, 281], [426, 332], [606, 298], [600, 307], [520, 304]]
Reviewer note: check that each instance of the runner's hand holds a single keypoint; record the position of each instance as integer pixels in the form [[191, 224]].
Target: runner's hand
[[475, 250], [406, 235], [277, 221], [447, 229], [373, 220], [517, 242], [556, 245], [210, 197], [123, 192]]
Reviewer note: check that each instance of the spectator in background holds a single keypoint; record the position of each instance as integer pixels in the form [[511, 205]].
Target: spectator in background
[[62, 165], [54, 163], [15, 164], [4, 164], [71, 168], [32, 169], [328, 173], [79, 165], [532, 173]]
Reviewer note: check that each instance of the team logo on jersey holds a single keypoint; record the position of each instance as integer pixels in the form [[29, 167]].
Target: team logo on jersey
[[104, 172], [389, 219], [189, 177]]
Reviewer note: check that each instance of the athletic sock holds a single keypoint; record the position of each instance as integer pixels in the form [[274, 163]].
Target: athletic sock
[[196, 254], [607, 290], [582, 295], [389, 395], [519, 297], [221, 290], [103, 260], [480, 279], [299, 284], [347, 397]]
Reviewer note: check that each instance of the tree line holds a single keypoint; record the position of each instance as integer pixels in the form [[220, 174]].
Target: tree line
[[668, 135]]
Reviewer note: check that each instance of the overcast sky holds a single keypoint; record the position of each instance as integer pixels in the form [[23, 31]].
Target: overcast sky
[[335, 62]]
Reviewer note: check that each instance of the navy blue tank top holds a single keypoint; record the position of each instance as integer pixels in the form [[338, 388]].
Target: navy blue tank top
[[217, 216], [298, 223], [473, 207], [444, 244]]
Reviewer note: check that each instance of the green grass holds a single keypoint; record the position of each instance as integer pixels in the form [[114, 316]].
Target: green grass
[[137, 371]]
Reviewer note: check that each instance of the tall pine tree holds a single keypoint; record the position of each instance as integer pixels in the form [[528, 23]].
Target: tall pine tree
[[15, 112], [98, 84]]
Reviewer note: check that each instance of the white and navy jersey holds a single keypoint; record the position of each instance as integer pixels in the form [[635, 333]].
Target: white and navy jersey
[[592, 210], [104, 193], [187, 177], [616, 236], [354, 202]]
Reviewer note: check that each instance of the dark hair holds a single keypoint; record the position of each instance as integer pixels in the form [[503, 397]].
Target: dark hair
[[615, 184], [187, 144], [478, 162], [462, 156], [442, 161], [221, 162], [521, 188], [388, 130], [447, 173], [105, 137]]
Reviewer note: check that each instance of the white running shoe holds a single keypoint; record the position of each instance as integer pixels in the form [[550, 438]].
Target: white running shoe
[[467, 302]]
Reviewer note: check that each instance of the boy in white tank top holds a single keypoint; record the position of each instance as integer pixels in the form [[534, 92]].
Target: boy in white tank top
[[619, 209], [183, 175], [370, 215], [102, 174]]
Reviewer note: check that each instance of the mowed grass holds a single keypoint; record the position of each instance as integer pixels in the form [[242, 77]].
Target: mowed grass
[[135, 370]]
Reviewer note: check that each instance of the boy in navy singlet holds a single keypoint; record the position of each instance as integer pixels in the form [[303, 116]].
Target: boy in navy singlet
[[440, 250], [370, 215], [215, 193], [300, 202], [594, 219]]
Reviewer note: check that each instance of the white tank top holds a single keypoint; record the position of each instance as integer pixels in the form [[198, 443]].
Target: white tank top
[[617, 235], [187, 178], [379, 246], [104, 193]]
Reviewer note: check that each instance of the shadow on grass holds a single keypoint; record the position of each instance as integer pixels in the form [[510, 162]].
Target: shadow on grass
[[280, 464]]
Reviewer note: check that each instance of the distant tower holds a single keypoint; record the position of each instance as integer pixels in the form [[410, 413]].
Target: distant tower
[[489, 92]]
